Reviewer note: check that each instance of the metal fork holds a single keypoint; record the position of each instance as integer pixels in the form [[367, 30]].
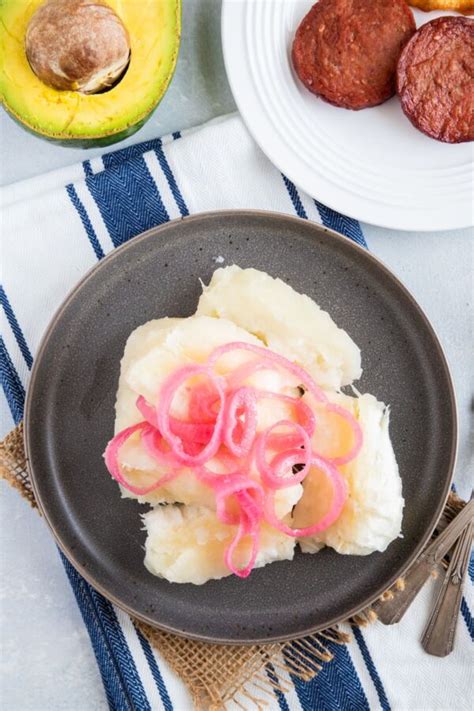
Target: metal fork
[[438, 637]]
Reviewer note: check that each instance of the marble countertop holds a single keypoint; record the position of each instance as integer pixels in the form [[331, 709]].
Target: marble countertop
[[43, 638]]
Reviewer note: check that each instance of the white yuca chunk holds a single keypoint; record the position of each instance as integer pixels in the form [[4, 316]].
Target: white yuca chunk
[[139, 343], [185, 489], [186, 544], [190, 341], [141, 469], [153, 351], [372, 515], [288, 322], [146, 337]]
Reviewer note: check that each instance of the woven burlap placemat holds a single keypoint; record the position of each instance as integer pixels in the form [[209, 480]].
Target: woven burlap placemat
[[217, 674]]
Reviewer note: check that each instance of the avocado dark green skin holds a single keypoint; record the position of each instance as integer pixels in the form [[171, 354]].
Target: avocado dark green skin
[[85, 142]]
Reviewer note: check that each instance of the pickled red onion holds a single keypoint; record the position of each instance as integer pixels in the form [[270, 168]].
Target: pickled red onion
[[268, 474], [356, 429], [251, 514], [202, 401], [190, 432], [112, 463], [248, 518], [157, 448], [236, 484], [245, 529], [147, 410], [339, 499], [245, 401], [276, 359], [304, 412], [166, 396]]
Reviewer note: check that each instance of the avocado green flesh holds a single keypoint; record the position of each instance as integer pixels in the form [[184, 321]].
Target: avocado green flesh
[[75, 119]]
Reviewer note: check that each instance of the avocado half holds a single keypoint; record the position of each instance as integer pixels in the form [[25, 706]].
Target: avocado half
[[86, 120]]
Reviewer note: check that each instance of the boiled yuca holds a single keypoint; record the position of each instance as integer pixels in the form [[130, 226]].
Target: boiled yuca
[[186, 544], [287, 322], [152, 352], [190, 341], [372, 515], [140, 342]]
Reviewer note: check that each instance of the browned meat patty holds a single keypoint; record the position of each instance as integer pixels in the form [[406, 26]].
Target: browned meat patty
[[435, 79], [346, 51]]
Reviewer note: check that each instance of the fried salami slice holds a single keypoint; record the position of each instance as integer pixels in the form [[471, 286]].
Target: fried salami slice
[[435, 79], [346, 51]]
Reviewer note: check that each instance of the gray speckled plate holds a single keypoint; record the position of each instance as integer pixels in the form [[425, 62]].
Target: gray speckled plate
[[70, 413]]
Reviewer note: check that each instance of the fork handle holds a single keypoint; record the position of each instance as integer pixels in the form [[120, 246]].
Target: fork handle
[[438, 637]]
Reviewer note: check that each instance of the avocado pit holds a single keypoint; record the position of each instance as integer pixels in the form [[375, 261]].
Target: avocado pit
[[77, 45]]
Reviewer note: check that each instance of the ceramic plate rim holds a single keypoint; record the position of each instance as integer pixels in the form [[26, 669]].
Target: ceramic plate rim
[[169, 226]]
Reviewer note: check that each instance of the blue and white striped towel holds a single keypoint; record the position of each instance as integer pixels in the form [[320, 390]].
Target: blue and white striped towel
[[54, 229]]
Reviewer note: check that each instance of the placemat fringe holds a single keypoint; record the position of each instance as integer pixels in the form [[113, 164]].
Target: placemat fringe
[[13, 464]]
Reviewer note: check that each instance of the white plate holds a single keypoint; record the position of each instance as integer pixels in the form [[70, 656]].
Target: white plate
[[372, 164]]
